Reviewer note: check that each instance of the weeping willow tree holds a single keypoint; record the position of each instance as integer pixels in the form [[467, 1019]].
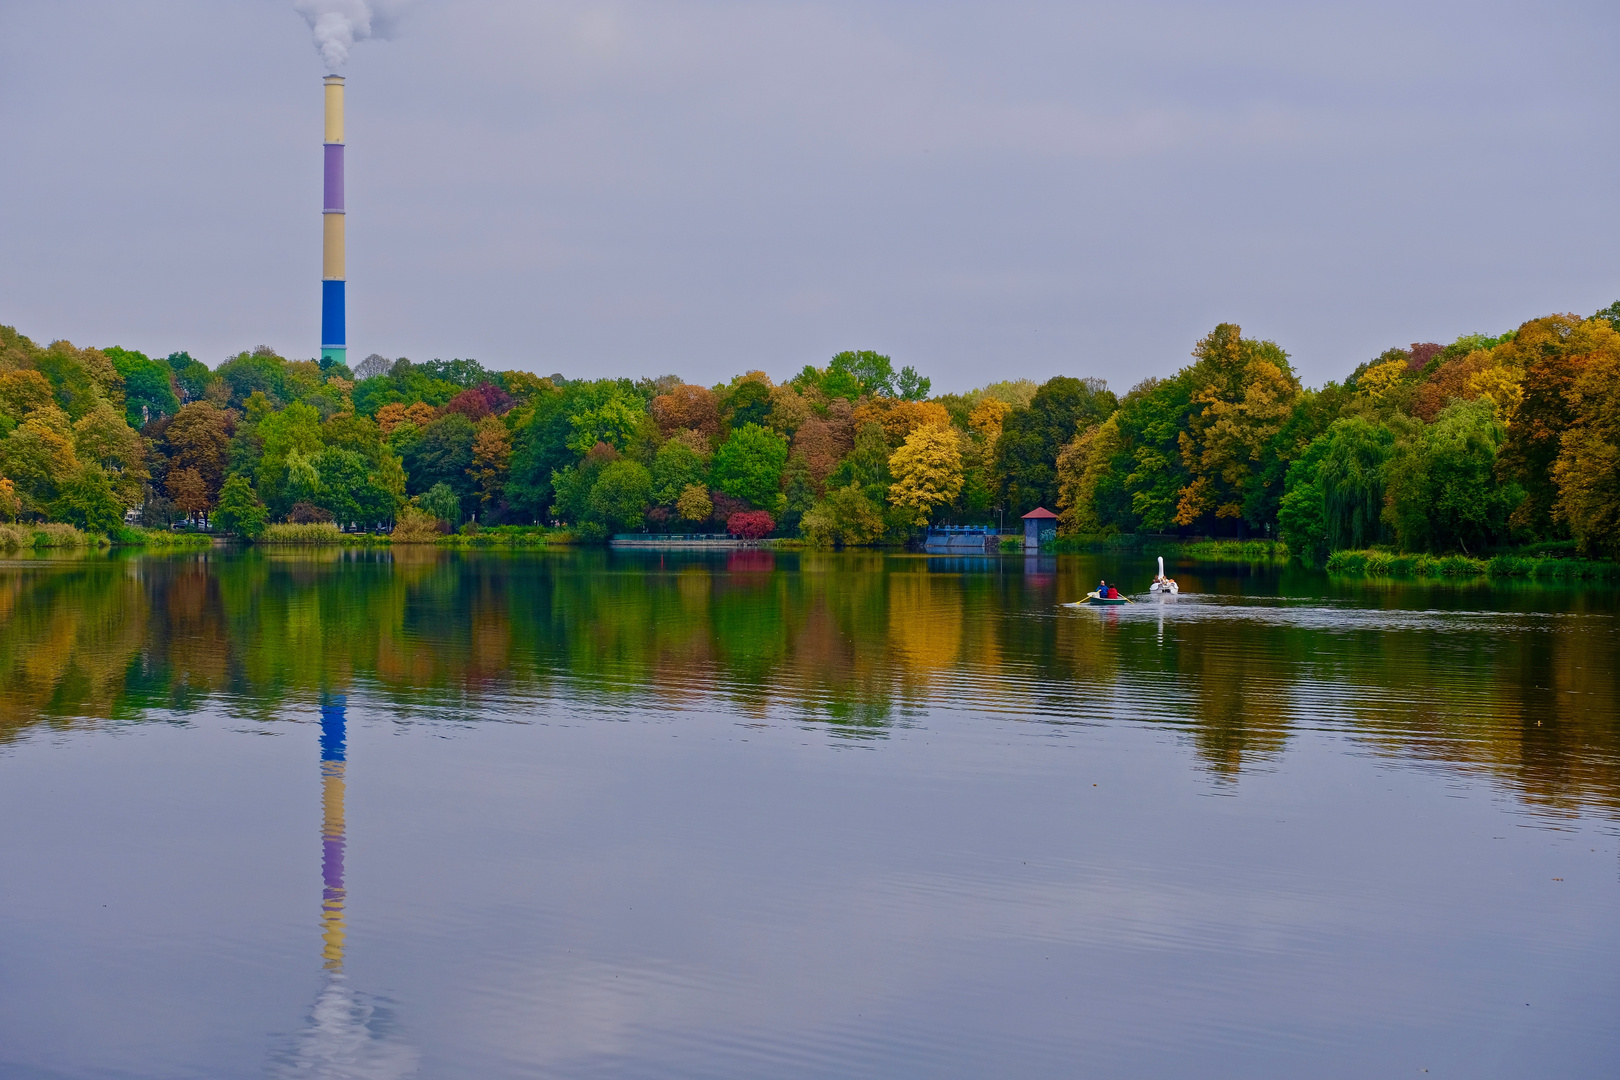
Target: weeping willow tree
[[1351, 477]]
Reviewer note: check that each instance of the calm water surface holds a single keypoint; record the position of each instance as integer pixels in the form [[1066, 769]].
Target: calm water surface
[[584, 815]]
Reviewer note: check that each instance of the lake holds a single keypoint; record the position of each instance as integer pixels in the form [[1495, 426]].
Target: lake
[[581, 814]]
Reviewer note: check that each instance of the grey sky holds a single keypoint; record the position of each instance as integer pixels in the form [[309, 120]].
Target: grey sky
[[983, 190]]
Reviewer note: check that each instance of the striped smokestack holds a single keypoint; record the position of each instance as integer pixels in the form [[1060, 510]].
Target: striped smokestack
[[334, 273]]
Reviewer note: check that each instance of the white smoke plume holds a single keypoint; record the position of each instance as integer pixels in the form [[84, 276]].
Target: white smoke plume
[[339, 24]]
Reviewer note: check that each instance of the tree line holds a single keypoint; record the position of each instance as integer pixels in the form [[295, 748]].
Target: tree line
[[1483, 442]]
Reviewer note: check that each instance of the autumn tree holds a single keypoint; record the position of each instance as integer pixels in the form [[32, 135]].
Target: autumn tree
[[687, 407], [39, 457], [987, 418], [927, 471], [1242, 392], [491, 455], [1587, 469], [815, 444], [694, 503], [1083, 466], [1553, 352], [900, 418], [199, 438], [102, 437], [189, 490], [844, 516]]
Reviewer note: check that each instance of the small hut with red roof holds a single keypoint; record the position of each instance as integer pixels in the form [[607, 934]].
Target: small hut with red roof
[[1040, 527]]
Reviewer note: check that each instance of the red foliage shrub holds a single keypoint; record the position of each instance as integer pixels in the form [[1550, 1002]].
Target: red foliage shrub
[[750, 524], [481, 401]]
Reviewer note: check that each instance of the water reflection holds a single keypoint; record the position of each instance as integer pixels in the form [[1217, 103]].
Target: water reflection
[[348, 1035], [1516, 682]]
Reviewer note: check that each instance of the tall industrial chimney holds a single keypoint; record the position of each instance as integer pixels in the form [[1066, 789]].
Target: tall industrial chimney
[[334, 273]]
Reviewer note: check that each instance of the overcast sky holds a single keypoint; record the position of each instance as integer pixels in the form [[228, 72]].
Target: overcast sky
[[985, 190]]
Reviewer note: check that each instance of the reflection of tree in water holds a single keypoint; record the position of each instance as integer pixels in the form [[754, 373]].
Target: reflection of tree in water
[[1238, 697], [858, 642], [348, 1037]]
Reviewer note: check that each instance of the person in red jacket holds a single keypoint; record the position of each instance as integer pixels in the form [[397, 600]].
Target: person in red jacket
[[1113, 593]]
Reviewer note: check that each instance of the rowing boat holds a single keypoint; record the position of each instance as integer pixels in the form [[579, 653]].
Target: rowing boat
[[1102, 601]]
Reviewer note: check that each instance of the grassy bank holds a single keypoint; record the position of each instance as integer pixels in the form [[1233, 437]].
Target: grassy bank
[[507, 536], [500, 536], [320, 532], [1519, 565], [159, 539], [50, 535], [1208, 551]]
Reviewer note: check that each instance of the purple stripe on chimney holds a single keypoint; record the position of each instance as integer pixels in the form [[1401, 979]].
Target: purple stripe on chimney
[[334, 176], [332, 863]]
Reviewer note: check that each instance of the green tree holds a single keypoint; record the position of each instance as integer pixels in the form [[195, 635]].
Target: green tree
[[1351, 478], [798, 492], [148, 390], [675, 467], [1443, 490], [192, 376], [845, 516], [613, 421], [867, 465], [240, 510], [746, 401], [295, 430], [87, 500], [749, 464], [1301, 514], [441, 454], [620, 496], [347, 489], [443, 503], [1023, 471]]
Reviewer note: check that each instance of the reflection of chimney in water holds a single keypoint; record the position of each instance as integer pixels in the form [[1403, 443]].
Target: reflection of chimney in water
[[333, 894], [334, 268]]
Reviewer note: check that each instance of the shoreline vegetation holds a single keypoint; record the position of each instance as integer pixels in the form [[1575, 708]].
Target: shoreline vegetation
[[1495, 452]]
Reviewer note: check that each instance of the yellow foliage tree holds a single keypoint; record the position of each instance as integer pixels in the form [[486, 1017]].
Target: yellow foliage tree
[[1081, 465], [927, 471], [101, 436], [1587, 471], [986, 420], [1378, 381], [900, 418], [492, 453], [1227, 438], [694, 503]]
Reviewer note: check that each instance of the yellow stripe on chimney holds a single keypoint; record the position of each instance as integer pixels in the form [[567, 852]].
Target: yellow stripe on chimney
[[332, 261], [334, 108]]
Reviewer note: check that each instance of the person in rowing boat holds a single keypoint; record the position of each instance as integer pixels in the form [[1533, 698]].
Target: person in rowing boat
[[1112, 593], [1102, 590]]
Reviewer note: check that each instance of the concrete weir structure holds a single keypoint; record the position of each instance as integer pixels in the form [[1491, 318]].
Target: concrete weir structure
[[334, 270]]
